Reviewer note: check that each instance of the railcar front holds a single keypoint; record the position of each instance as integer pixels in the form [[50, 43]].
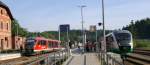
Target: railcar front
[[124, 40], [29, 47]]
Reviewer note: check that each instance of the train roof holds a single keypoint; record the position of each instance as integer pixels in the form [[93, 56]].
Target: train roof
[[118, 31], [42, 38], [121, 31]]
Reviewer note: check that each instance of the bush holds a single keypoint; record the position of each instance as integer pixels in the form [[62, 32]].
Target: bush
[[141, 43]]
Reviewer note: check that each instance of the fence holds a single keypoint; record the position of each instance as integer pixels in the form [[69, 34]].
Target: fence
[[55, 58], [107, 59]]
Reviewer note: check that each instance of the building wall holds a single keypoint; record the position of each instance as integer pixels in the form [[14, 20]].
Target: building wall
[[5, 30], [18, 42]]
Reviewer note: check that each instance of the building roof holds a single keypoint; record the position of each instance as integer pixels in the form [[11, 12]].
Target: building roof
[[7, 8]]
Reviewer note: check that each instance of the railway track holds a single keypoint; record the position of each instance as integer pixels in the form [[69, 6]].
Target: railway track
[[142, 52], [22, 60], [138, 57], [18, 61]]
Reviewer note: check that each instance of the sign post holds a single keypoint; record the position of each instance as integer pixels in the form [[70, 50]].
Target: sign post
[[65, 28]]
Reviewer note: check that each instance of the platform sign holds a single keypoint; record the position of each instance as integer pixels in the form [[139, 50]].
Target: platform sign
[[64, 27]]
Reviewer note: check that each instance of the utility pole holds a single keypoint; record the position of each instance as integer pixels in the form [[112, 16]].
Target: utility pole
[[104, 39], [16, 35], [96, 34], [68, 40], [83, 31], [17, 29], [103, 19], [59, 35]]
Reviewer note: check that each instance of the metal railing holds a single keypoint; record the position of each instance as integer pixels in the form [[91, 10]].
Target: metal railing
[[107, 59], [55, 58]]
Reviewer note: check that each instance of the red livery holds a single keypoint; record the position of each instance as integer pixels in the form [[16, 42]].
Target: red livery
[[39, 44]]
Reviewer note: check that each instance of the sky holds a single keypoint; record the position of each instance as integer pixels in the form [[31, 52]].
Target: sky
[[46, 15]]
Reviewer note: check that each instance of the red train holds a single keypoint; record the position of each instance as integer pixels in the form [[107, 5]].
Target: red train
[[38, 45]]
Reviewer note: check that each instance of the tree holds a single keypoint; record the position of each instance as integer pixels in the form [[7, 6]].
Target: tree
[[17, 29], [139, 29]]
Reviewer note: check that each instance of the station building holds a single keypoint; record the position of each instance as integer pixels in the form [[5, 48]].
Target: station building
[[18, 42], [5, 27]]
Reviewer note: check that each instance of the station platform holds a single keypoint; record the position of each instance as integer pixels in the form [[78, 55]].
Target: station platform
[[78, 58], [9, 56]]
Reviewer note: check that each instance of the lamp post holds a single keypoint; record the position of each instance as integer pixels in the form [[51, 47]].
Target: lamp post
[[103, 46], [82, 21], [16, 35], [17, 29], [96, 34], [103, 20]]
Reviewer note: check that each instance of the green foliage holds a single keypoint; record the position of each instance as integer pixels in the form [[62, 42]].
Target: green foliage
[[141, 32], [139, 29], [16, 27], [74, 35], [142, 43]]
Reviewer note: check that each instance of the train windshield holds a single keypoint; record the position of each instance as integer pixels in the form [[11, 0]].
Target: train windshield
[[30, 43], [123, 38]]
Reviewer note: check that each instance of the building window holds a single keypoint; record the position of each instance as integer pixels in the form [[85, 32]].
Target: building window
[[1, 25], [7, 26], [2, 42], [6, 40], [1, 11]]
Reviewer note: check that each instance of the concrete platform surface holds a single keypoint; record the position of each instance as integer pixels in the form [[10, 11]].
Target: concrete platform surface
[[9, 56], [78, 58], [84, 59]]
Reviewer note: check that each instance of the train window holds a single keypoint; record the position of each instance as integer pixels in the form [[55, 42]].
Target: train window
[[30, 40], [109, 39], [55, 44], [30, 43], [43, 42], [123, 38], [49, 44]]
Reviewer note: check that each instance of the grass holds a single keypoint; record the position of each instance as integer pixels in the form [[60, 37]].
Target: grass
[[141, 43]]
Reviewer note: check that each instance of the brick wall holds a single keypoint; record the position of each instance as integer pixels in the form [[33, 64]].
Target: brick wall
[[5, 30]]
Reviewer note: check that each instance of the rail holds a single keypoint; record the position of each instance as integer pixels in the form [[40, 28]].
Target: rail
[[138, 59]]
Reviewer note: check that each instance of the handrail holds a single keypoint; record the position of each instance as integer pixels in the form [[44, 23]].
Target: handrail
[[51, 58], [106, 59]]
